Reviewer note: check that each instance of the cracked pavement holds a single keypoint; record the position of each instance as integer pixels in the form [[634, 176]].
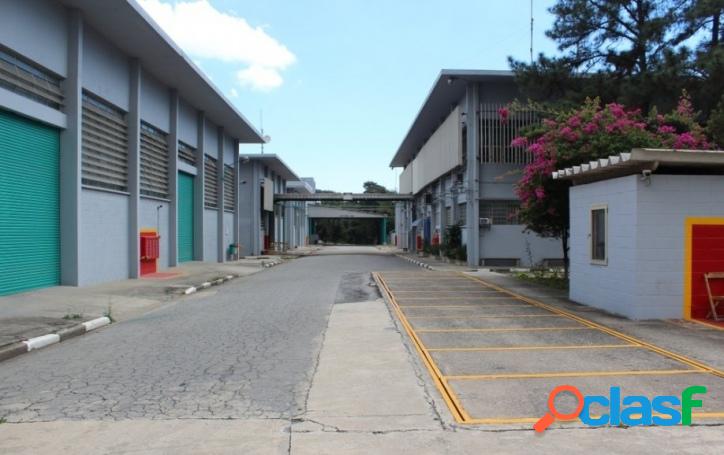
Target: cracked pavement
[[243, 350]]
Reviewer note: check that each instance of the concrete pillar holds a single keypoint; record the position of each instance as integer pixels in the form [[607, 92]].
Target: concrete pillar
[[199, 189], [472, 172], [70, 156], [173, 181], [256, 207], [288, 220], [237, 195], [221, 246], [134, 169]]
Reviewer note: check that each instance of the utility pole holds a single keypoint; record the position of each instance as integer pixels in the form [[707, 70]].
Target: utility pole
[[531, 31]]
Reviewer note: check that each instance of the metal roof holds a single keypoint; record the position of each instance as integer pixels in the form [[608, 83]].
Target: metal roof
[[300, 186], [274, 163], [125, 24], [318, 211], [638, 160], [447, 91], [392, 197]]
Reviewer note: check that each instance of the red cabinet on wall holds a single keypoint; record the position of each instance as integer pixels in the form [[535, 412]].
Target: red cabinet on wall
[[150, 251]]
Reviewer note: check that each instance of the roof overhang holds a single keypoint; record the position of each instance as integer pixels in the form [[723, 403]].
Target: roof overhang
[[127, 25], [650, 160], [300, 186], [446, 93], [274, 163], [318, 211]]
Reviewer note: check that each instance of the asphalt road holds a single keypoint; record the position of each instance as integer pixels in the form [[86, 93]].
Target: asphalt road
[[247, 349]]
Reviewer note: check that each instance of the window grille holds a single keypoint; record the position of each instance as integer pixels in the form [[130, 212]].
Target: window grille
[[500, 212], [104, 143], [29, 80], [229, 193], [211, 180], [186, 153], [496, 135], [154, 162]]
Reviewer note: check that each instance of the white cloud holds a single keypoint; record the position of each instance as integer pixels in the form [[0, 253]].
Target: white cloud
[[205, 32], [233, 93]]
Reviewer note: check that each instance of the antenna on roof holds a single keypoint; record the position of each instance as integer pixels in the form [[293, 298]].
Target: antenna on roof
[[531, 31]]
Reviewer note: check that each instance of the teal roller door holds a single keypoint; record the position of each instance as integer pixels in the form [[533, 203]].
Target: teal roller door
[[29, 205], [185, 217]]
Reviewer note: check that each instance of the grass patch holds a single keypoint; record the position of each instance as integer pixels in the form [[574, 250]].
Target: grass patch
[[109, 312], [3, 420], [554, 279], [73, 316]]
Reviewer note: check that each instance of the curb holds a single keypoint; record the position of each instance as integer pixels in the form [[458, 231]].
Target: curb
[[416, 262], [21, 347], [208, 284]]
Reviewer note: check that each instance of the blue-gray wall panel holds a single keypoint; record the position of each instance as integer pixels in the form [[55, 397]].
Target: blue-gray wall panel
[[211, 138], [103, 237], [188, 124], [155, 103], [38, 30], [210, 238], [105, 69]]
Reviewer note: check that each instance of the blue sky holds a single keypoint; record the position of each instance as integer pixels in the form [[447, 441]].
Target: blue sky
[[339, 82]]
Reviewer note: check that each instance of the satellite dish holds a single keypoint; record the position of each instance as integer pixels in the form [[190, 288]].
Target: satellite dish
[[267, 139]]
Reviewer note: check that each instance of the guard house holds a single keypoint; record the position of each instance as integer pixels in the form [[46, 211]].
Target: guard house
[[646, 226]]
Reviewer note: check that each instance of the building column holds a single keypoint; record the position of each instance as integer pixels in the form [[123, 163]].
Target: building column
[[134, 169], [473, 170], [220, 250], [199, 189], [70, 156], [237, 196], [288, 220], [173, 182]]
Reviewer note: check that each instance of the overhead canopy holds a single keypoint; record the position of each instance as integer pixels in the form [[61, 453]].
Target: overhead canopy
[[274, 163], [318, 211], [638, 160], [125, 24], [447, 91]]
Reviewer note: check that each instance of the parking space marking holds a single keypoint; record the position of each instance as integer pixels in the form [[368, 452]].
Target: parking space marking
[[442, 382], [567, 374], [511, 329], [534, 348], [497, 316]]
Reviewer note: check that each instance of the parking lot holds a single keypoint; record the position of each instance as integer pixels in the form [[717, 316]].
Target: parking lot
[[495, 356]]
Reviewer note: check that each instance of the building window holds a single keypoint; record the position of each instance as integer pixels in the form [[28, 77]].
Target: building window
[[104, 141], [211, 182], [448, 216], [462, 214], [29, 80], [186, 153], [500, 212], [496, 135], [154, 162], [229, 188], [599, 234]]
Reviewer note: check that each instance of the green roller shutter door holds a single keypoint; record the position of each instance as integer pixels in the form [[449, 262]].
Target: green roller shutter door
[[29, 205], [185, 217]]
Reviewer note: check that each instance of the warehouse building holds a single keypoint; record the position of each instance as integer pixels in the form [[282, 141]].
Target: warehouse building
[[646, 227], [458, 163], [117, 156], [266, 225]]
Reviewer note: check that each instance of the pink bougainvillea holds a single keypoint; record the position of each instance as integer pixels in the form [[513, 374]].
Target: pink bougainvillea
[[503, 113], [590, 132]]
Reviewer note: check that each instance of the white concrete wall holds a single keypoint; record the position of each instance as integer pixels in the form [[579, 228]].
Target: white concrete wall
[[440, 154], [210, 236], [106, 72], [38, 30], [611, 287], [103, 237], [147, 218]]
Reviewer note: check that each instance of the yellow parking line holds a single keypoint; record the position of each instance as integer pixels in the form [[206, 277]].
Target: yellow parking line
[[521, 420], [705, 323], [534, 348], [497, 316], [567, 374], [652, 347], [511, 329]]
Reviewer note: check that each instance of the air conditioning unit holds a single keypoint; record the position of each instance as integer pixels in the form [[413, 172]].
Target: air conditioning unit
[[486, 222]]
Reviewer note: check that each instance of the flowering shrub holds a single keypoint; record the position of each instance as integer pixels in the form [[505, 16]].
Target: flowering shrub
[[574, 137]]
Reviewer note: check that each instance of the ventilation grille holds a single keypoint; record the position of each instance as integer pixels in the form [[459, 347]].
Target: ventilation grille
[[501, 262], [500, 212], [104, 142], [186, 153], [211, 180], [154, 162], [30, 81], [497, 134], [229, 187]]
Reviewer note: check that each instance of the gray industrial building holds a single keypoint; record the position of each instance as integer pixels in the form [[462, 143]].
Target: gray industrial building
[[458, 163], [266, 225], [108, 133]]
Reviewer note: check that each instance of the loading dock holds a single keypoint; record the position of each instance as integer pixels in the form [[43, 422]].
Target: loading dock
[[495, 357]]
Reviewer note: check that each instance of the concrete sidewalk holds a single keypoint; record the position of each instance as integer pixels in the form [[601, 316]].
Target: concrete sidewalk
[[37, 313]]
